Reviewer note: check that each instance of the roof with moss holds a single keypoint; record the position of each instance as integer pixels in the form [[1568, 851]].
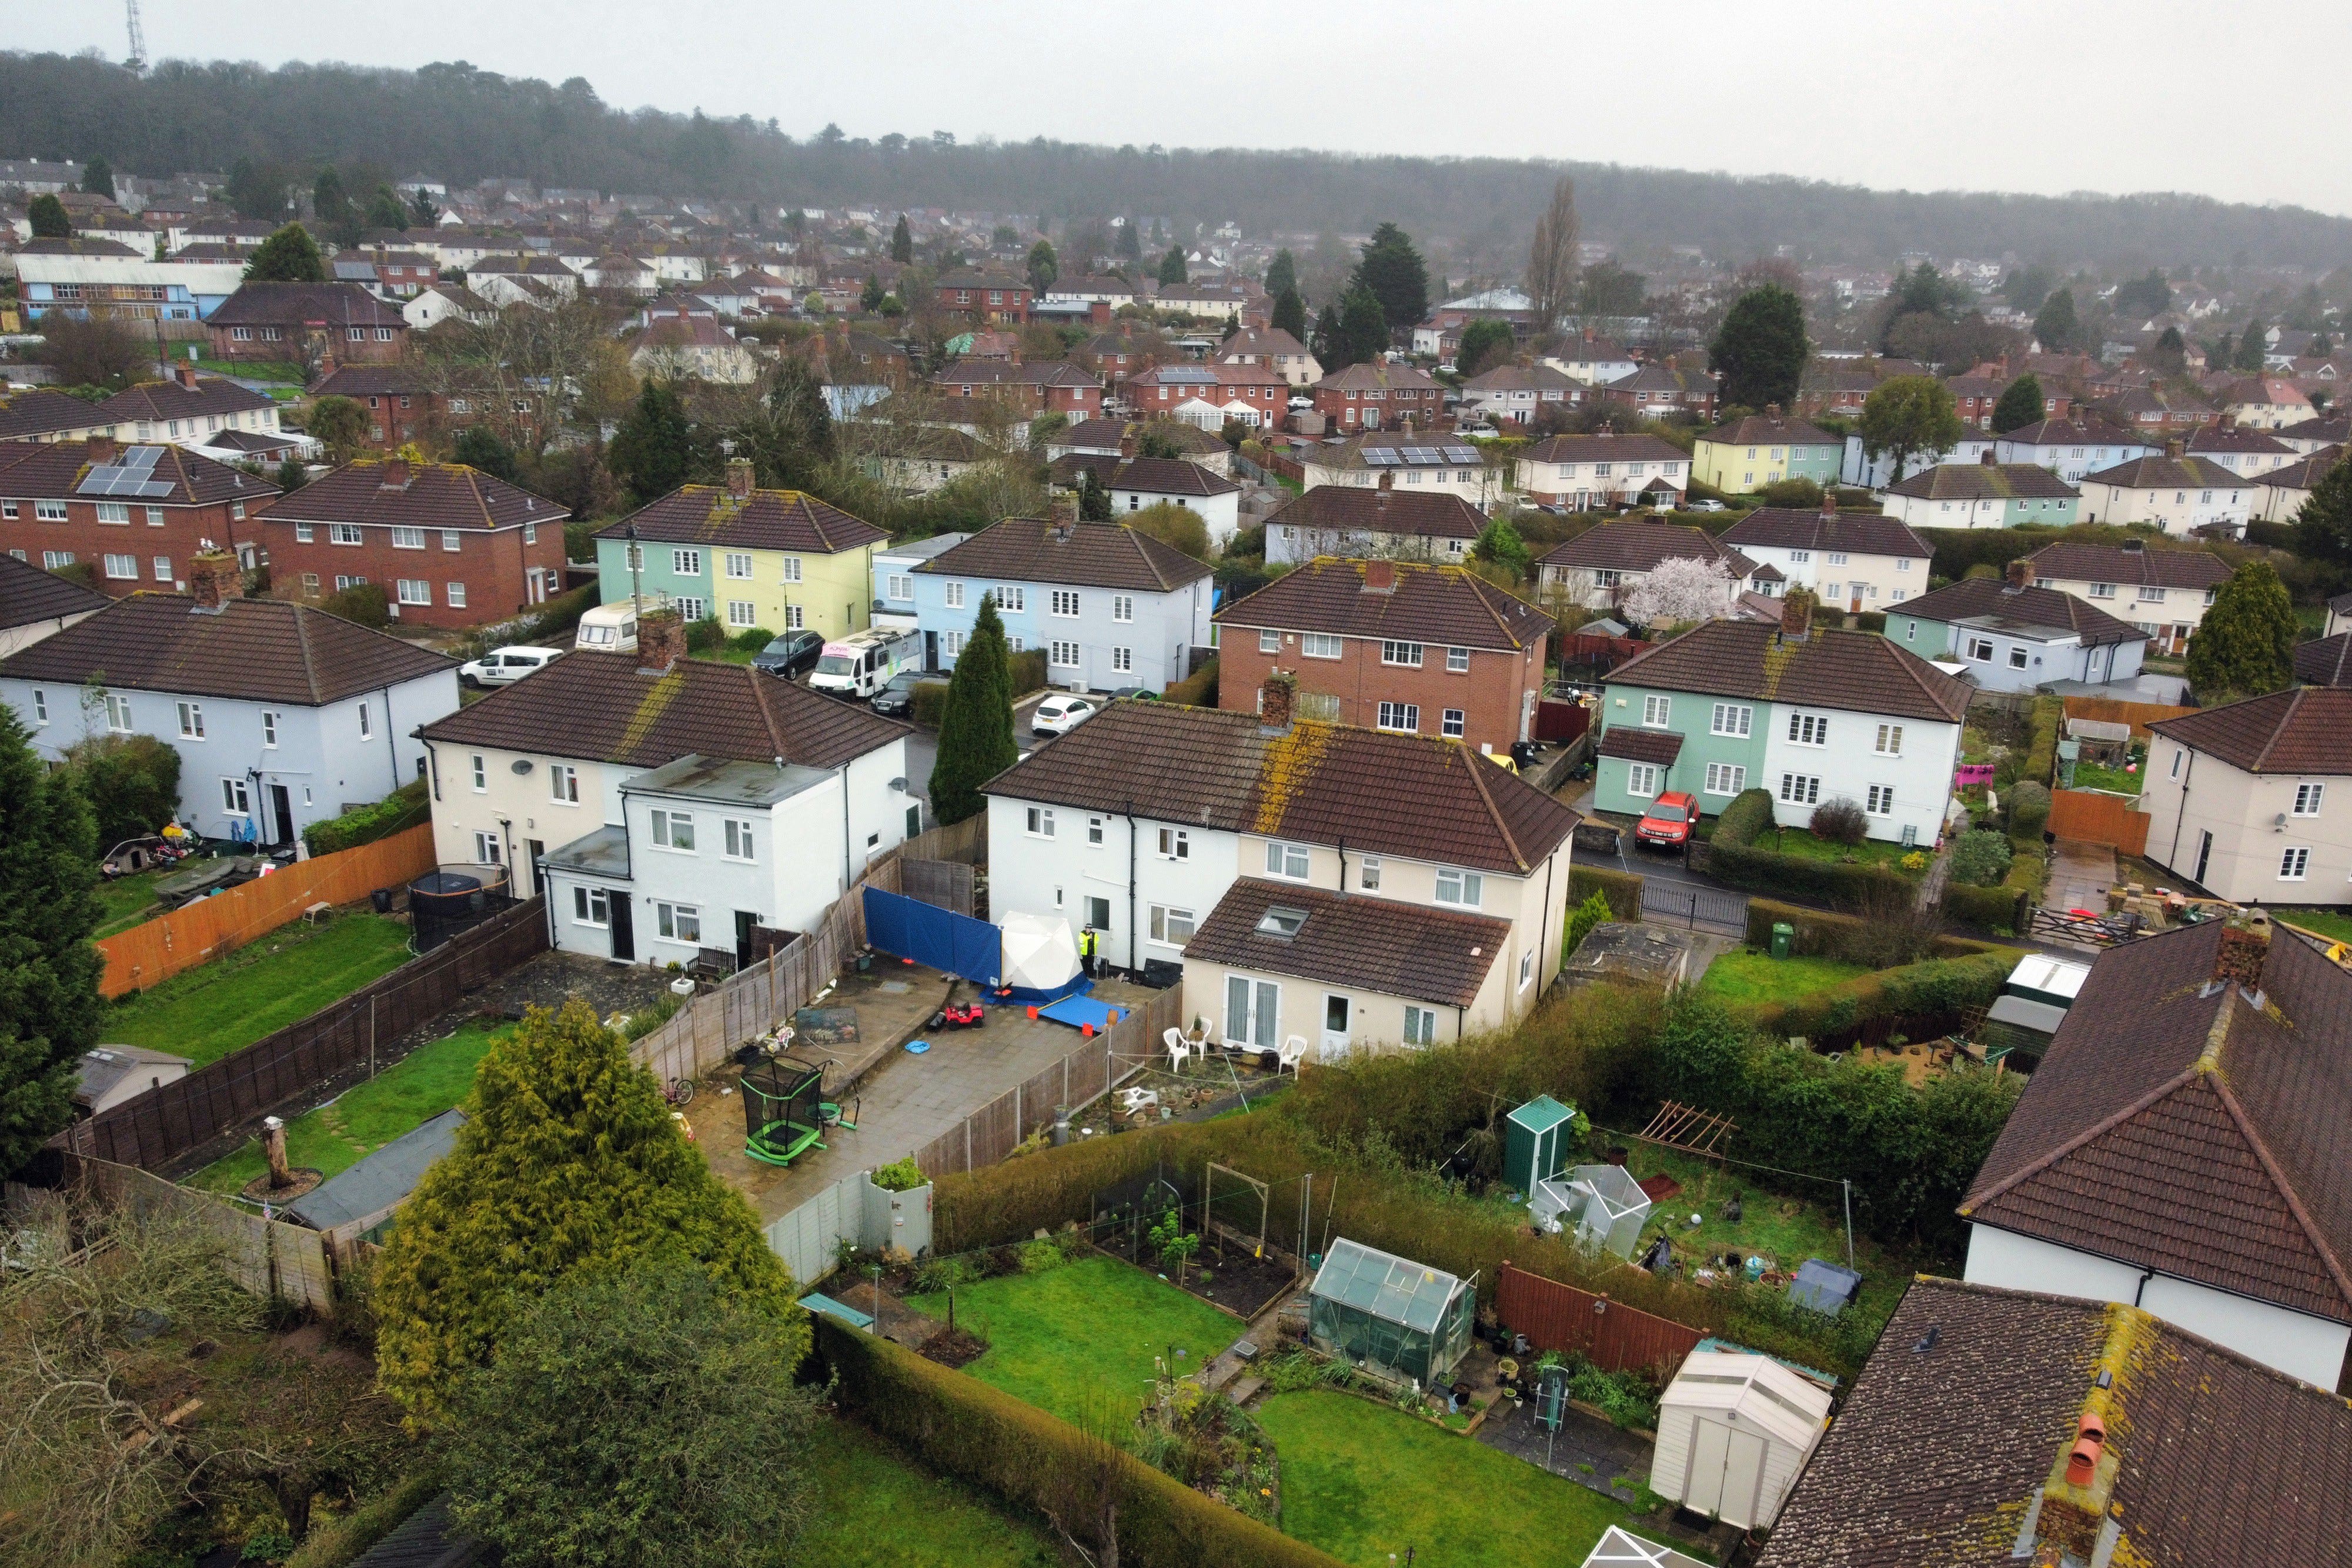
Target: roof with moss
[[765, 519], [1440, 604], [392, 492]]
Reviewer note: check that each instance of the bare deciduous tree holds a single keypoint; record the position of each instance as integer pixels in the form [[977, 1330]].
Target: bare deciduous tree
[[1551, 259]]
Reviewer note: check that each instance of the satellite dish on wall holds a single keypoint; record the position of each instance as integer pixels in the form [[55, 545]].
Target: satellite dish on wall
[[522, 764]]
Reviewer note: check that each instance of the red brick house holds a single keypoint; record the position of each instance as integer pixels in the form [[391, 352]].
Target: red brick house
[[987, 297], [449, 544], [1657, 390], [1396, 645], [1049, 386], [1161, 390], [135, 515], [341, 322], [1377, 395], [399, 408]]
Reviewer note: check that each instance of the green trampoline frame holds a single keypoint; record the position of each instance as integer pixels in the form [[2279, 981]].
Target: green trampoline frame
[[783, 1110]]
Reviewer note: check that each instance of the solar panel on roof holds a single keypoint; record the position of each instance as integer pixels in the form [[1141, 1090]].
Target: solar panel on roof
[[1462, 454], [1419, 454], [133, 474], [1380, 456]]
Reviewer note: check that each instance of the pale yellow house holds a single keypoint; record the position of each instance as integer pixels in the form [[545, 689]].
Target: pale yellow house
[[2252, 800]]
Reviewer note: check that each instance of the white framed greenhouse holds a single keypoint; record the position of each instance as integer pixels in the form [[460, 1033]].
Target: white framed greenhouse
[[1400, 1320], [1603, 1204]]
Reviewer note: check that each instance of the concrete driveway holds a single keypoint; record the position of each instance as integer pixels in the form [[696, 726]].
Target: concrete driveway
[[923, 750]]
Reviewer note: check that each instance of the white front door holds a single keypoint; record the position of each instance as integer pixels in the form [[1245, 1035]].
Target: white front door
[[1335, 1028]]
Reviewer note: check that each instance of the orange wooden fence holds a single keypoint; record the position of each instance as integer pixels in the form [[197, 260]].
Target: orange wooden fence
[[2115, 710], [1616, 1338], [2098, 819], [146, 955]]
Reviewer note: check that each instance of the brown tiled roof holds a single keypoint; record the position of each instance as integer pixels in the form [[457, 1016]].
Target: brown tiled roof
[[1638, 745], [1093, 555], [1102, 435], [1064, 470], [997, 372], [1688, 384], [434, 496], [258, 650], [1978, 596], [2305, 474], [1984, 481], [2326, 661], [2333, 428], [41, 412], [2075, 430], [56, 470], [1973, 1396], [1433, 604], [2159, 473], [936, 443], [1315, 782], [300, 304], [1349, 454], [2234, 438], [2113, 563], [603, 706], [770, 519], [371, 380], [1375, 375], [1356, 509], [1804, 528], [29, 594], [1603, 449], [1266, 342], [2195, 1134], [1763, 430], [1364, 943], [1642, 546], [1854, 672], [1170, 477], [1520, 378], [210, 396], [2301, 730]]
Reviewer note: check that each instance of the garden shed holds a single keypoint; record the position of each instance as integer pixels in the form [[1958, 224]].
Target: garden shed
[[1602, 1203], [1389, 1316], [1535, 1142], [1734, 1428]]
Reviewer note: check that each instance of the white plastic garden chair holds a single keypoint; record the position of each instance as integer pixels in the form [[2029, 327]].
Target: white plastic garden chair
[[1293, 1052], [1180, 1049]]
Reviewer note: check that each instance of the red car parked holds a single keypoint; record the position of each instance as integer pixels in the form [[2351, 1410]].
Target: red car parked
[[1667, 822]]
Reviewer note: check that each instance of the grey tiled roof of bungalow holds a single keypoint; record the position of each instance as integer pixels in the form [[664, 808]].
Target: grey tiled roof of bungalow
[[1855, 672]]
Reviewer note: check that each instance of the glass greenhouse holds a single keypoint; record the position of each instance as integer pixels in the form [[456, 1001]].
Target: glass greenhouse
[[1395, 1318]]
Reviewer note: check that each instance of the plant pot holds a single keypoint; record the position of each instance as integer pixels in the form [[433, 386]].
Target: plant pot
[[681, 986]]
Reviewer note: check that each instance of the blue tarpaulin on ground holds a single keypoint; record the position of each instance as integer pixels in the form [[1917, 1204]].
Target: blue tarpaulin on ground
[[1079, 1011], [909, 928]]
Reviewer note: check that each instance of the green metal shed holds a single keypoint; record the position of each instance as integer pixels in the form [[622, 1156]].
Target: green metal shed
[[1534, 1143]]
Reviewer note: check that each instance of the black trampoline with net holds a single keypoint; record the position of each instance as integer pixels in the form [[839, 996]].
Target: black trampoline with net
[[450, 899]]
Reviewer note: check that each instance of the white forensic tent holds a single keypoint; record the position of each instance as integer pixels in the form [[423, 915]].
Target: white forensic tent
[[1041, 953], [1734, 1428]]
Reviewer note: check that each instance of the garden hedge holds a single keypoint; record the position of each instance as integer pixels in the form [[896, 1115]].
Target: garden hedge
[[2041, 758], [1734, 858], [2029, 813], [2002, 909], [1822, 934], [1042, 1464], [1623, 888], [1198, 689], [1929, 995], [1027, 670], [405, 808]]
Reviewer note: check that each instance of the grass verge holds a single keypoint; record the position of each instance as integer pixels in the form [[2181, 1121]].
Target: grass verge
[[366, 1117], [1742, 979], [2336, 922], [1088, 1328], [1365, 1484], [229, 1003]]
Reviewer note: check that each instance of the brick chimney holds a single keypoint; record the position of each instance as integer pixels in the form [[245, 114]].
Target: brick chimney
[[2019, 574], [1278, 701], [739, 478], [1127, 444], [1065, 516], [1989, 460], [1379, 577], [2245, 948], [1797, 615], [214, 579], [1829, 504], [2174, 447], [101, 450], [1771, 411], [661, 641], [1388, 479], [185, 373], [395, 474]]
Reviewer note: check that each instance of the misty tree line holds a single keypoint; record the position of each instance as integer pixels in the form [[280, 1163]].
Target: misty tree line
[[465, 124]]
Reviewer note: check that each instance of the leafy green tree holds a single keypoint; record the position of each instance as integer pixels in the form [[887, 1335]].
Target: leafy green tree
[[1920, 291], [1329, 343], [98, 179], [1367, 324], [292, 476], [2145, 296], [478, 447], [2021, 405], [902, 242], [47, 216], [2245, 644], [2054, 325], [333, 206], [256, 191], [338, 423], [1761, 348], [2323, 524], [1172, 266], [1044, 267], [1484, 344], [2253, 344], [637, 1418], [1290, 314], [290, 255], [2028, 287], [1394, 274], [131, 783], [50, 1007], [1172, 524], [1130, 241], [385, 210], [655, 444], [870, 298], [422, 213], [976, 741], [1500, 543], [1905, 415], [569, 1161], [1281, 273]]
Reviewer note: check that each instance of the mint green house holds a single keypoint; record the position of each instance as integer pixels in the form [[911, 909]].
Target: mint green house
[[1732, 705]]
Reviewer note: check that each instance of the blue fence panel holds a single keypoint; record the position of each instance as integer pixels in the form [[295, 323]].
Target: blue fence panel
[[908, 928]]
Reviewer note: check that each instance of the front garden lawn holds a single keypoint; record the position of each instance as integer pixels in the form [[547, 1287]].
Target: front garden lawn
[[1063, 1338], [1802, 843], [366, 1117], [1365, 1483], [876, 1509], [1743, 977], [288, 973]]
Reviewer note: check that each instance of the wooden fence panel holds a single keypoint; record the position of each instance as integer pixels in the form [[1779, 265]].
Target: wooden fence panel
[[157, 1127], [1616, 1338], [266, 1257], [2115, 710], [944, 884], [2098, 818], [155, 951]]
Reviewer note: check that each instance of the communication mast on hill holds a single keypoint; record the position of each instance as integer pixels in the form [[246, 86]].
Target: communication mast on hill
[[138, 60]]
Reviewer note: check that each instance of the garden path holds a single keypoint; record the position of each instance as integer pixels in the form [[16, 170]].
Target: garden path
[[2080, 875]]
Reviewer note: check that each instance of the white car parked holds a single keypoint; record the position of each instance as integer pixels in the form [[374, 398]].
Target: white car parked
[[1061, 715], [503, 666]]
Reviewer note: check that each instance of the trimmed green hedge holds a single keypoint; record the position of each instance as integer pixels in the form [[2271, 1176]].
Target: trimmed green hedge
[[405, 808], [1198, 689], [1027, 670], [1933, 989], [2041, 758], [928, 703], [2029, 813], [1622, 888], [1733, 860], [1037, 1462], [2002, 909], [1844, 938]]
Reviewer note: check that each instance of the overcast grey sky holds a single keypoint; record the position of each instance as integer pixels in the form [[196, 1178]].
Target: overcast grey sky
[[2038, 96]]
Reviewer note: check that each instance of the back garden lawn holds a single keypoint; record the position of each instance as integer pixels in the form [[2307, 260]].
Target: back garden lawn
[[231, 1002], [879, 1509], [1742, 979]]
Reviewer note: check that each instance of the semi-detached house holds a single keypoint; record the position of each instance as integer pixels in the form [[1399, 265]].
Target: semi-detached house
[[2016, 635], [1762, 449], [137, 515], [1603, 470], [1386, 523], [2252, 800], [2164, 592], [1269, 856], [1809, 714], [1861, 560], [1599, 567]]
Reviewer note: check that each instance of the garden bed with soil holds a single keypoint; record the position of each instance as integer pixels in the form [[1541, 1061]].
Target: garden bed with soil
[[1222, 1275]]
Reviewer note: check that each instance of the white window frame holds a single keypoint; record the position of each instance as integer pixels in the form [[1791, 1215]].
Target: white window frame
[[1726, 778], [562, 784], [1657, 712], [739, 566], [480, 768], [1890, 740], [673, 830], [1800, 789], [1405, 655], [1642, 781], [1041, 821], [1176, 843], [1457, 661], [1809, 729], [1289, 861], [1454, 724], [345, 534], [1878, 800], [1065, 654], [952, 595], [677, 922], [1122, 607], [1063, 603], [737, 839], [405, 537], [897, 585], [1122, 661], [1011, 599], [1321, 646], [685, 564], [1399, 718], [2307, 797], [1461, 889], [192, 720], [1269, 641], [1736, 719], [121, 568], [1419, 1025], [236, 800], [592, 907], [412, 590], [118, 713], [489, 848], [40, 706], [1164, 921], [743, 613], [2294, 864]]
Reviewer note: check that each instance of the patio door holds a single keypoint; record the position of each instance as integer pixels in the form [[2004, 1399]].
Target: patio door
[[1335, 1027], [1252, 1012]]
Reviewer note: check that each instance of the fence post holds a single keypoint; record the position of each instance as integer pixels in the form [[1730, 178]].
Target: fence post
[[967, 1144]]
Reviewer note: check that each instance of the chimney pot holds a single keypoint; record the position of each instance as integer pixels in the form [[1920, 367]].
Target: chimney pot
[[102, 450], [2082, 1460], [1127, 443], [1278, 699], [661, 641], [214, 579], [739, 478], [2020, 573]]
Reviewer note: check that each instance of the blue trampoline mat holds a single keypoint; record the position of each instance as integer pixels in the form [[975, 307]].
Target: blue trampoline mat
[[1079, 1011]]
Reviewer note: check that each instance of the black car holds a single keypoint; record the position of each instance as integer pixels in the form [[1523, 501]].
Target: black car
[[896, 699], [792, 653]]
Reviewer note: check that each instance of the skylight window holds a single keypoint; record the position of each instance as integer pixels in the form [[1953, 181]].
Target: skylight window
[[1280, 922]]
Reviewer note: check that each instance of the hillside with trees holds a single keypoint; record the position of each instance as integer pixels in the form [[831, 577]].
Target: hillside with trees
[[465, 124]]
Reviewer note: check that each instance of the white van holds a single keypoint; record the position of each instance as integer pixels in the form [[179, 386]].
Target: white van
[[503, 666], [862, 664], [609, 629]]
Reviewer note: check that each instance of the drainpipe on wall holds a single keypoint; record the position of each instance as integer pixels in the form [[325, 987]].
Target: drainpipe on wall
[[1134, 939], [846, 882]]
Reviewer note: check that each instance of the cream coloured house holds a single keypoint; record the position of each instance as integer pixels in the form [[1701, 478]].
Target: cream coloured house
[[2252, 800], [2174, 494], [2164, 592]]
